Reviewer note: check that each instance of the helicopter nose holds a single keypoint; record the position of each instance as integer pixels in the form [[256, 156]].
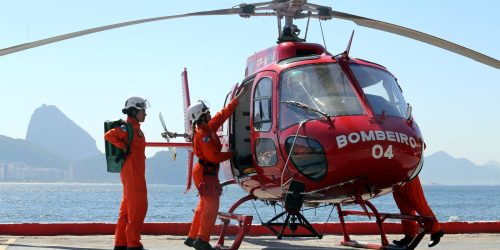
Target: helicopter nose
[[383, 156], [376, 156], [308, 156]]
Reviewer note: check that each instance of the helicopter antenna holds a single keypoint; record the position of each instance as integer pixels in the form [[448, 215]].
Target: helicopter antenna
[[279, 26], [346, 53], [322, 34], [307, 27]]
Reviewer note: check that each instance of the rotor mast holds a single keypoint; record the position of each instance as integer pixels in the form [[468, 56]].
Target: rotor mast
[[289, 33], [289, 10]]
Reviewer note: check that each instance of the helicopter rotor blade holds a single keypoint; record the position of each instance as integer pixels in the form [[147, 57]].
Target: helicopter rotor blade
[[283, 8], [420, 36], [50, 40]]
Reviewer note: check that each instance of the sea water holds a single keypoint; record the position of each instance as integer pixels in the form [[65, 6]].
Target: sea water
[[78, 202]]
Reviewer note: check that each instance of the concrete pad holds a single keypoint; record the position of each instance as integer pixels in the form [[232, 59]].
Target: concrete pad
[[104, 242]]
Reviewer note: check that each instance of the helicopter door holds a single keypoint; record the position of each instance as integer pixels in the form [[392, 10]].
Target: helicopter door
[[239, 131], [263, 124], [225, 132]]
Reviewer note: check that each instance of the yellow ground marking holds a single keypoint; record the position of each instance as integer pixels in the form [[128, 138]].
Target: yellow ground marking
[[6, 244]]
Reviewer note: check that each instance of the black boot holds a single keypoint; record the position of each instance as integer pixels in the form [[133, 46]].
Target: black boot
[[435, 238], [135, 248], [120, 248], [189, 242], [403, 242], [199, 244]]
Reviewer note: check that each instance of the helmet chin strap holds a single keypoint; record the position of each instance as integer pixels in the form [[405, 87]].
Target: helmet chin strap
[[134, 115]]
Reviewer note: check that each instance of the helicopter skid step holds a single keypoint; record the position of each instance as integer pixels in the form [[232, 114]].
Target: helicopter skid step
[[244, 224], [380, 219]]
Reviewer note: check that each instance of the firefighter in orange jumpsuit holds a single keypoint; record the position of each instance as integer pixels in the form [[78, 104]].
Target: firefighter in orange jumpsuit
[[207, 147], [134, 204], [410, 199]]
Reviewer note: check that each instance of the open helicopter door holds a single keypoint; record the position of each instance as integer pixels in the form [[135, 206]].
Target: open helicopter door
[[238, 131], [235, 135], [226, 167]]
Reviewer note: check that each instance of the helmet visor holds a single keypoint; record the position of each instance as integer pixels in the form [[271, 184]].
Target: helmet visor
[[206, 106], [143, 105]]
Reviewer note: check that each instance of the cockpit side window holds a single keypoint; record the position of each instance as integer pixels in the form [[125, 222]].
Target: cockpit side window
[[262, 106], [381, 91]]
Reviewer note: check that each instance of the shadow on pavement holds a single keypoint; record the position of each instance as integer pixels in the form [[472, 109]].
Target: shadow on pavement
[[34, 246]]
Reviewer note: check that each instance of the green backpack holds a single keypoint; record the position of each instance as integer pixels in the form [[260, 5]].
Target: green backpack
[[115, 156]]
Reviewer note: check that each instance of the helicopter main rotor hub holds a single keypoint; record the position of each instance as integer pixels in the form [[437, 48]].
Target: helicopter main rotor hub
[[288, 9]]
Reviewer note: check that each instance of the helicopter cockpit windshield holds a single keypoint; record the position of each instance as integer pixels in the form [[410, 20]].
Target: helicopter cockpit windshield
[[321, 87], [381, 90]]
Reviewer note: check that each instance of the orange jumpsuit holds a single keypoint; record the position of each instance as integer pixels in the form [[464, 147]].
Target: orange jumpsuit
[[410, 199], [207, 147], [134, 203]]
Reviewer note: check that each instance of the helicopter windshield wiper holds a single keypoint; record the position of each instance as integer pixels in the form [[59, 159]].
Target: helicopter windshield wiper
[[307, 107]]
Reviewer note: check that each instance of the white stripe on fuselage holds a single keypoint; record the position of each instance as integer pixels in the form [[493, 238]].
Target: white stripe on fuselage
[[375, 135]]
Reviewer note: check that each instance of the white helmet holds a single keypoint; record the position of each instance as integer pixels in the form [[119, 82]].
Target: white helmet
[[196, 110], [135, 102]]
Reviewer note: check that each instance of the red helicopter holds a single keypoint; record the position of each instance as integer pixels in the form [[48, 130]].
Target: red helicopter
[[315, 128]]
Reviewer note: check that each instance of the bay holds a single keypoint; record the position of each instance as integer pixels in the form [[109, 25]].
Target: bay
[[82, 202]]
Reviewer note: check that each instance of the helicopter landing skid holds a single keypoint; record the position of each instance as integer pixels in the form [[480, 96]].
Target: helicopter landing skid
[[380, 218], [244, 224]]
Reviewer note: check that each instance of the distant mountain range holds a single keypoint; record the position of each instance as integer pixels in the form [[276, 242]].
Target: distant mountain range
[[57, 149], [162, 169], [441, 168], [24, 153], [492, 163], [159, 169]]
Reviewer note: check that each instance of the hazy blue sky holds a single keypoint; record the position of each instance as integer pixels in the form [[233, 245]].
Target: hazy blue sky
[[455, 99]]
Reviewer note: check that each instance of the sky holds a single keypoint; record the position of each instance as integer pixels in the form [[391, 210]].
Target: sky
[[455, 99]]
